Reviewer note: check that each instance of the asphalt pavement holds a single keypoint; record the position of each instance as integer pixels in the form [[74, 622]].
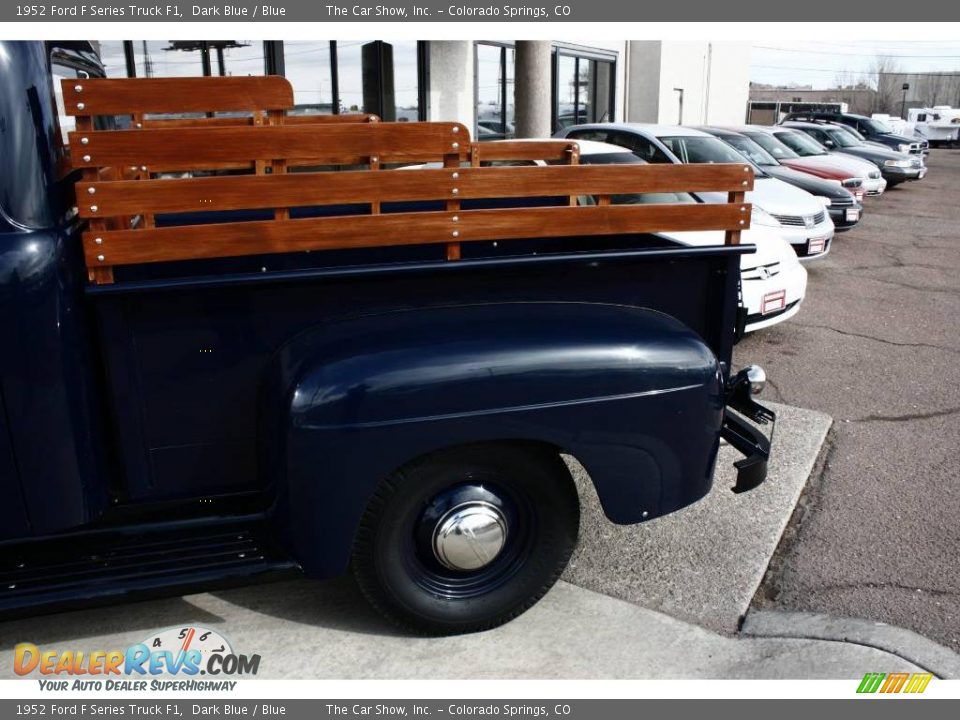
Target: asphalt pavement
[[876, 345]]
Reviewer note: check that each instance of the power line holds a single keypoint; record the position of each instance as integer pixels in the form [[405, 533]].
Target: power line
[[943, 73], [873, 54]]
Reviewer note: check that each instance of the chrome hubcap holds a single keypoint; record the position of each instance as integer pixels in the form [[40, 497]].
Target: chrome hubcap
[[470, 536]]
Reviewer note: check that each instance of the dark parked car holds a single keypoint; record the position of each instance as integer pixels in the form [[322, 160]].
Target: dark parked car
[[870, 128], [896, 167], [844, 208]]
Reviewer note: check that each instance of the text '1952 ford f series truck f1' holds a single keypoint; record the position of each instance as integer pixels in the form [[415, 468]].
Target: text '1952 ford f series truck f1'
[[238, 343]]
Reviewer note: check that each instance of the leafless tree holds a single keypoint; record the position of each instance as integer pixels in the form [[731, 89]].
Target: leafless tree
[[886, 78]]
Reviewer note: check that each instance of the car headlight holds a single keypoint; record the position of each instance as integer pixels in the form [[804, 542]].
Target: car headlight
[[904, 148], [759, 216], [825, 201], [897, 163]]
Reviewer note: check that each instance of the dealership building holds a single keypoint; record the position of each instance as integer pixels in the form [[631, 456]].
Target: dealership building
[[497, 88]]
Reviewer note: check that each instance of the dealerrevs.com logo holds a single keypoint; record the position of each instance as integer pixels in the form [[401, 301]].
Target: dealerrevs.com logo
[[153, 664]]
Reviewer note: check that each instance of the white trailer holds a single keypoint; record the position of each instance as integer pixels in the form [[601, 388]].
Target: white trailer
[[939, 124]]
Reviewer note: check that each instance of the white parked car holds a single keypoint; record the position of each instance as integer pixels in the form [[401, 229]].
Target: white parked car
[[799, 217], [773, 282]]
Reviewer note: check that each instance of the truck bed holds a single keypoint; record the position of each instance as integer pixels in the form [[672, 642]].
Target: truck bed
[[211, 242]]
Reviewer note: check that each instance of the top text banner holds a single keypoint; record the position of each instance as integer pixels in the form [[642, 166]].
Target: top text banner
[[299, 11]]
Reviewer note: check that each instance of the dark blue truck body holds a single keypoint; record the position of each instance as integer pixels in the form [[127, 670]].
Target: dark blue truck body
[[199, 424]]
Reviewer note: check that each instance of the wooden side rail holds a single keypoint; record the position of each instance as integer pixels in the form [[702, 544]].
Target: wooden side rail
[[230, 121], [107, 247], [127, 247], [333, 119], [331, 143], [247, 192], [513, 150], [130, 96], [121, 194]]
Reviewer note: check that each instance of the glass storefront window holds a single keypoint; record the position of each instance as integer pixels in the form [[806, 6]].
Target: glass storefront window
[[495, 72], [328, 77], [584, 90], [567, 111], [406, 81], [307, 67], [113, 57], [183, 58], [352, 80]]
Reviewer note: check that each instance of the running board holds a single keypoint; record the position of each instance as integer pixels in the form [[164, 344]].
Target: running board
[[136, 563]]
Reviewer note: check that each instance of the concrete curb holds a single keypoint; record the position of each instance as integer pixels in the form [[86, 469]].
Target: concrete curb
[[704, 563], [906, 644]]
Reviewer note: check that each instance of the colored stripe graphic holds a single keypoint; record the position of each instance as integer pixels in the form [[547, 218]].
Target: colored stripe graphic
[[871, 682], [918, 682], [913, 683], [894, 682]]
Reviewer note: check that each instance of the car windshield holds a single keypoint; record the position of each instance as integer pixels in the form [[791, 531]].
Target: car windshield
[[841, 138], [773, 146], [801, 143], [877, 126], [693, 149], [750, 150]]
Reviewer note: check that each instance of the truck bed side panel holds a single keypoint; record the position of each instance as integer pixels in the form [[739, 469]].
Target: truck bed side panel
[[187, 365]]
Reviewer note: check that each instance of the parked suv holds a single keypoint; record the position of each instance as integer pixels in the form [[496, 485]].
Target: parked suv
[[896, 167], [872, 129]]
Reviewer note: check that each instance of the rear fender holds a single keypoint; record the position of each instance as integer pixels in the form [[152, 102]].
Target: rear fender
[[633, 394]]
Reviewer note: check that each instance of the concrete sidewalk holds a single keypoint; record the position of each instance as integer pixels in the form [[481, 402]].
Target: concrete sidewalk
[[313, 629], [701, 565], [705, 562]]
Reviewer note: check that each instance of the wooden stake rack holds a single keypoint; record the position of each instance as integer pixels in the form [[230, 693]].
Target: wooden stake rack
[[241, 160]]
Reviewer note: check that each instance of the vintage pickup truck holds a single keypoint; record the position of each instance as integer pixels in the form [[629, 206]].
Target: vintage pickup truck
[[236, 345]]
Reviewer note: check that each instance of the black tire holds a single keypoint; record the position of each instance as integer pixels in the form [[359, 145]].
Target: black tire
[[411, 587]]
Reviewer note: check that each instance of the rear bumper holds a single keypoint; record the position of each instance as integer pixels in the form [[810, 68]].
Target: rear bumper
[[744, 437]]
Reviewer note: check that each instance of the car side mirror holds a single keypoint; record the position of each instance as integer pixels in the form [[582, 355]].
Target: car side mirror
[[828, 143]]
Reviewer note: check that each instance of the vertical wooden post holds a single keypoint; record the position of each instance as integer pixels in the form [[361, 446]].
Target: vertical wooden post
[[573, 158], [102, 274], [452, 160], [278, 165], [732, 237]]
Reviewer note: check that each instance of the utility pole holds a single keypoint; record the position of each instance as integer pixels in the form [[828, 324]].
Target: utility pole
[[903, 103], [680, 116]]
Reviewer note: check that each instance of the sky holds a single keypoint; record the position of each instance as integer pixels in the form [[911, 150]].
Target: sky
[[818, 63]]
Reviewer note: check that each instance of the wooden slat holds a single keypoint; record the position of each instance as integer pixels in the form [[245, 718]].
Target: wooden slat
[[362, 118], [236, 192], [329, 143], [234, 121], [125, 96], [124, 247], [511, 150]]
